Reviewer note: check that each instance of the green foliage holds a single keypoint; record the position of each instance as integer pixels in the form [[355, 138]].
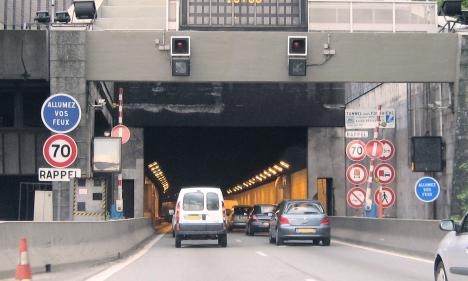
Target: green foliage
[[462, 196]]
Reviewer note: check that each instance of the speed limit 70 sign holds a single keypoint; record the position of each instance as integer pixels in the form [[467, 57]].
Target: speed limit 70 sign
[[60, 151]]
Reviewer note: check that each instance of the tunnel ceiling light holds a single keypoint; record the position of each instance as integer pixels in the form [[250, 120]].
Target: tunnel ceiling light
[[284, 164]]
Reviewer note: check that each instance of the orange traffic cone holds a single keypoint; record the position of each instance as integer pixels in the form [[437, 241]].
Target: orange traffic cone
[[23, 269]]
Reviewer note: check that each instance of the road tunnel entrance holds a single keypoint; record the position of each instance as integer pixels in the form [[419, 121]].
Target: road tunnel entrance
[[222, 156]]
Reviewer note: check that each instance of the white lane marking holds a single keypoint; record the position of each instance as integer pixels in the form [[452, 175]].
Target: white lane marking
[[310, 279], [238, 241], [119, 266], [261, 254], [384, 252]]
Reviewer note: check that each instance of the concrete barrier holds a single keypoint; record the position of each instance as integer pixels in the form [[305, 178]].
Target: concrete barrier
[[59, 244], [413, 237]]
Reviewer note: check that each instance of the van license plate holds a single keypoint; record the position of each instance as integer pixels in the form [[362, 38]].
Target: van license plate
[[193, 217], [305, 230]]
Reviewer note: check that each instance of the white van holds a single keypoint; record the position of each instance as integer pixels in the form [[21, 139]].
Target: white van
[[200, 214]]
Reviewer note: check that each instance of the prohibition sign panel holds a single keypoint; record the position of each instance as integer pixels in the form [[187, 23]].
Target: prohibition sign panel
[[374, 148], [355, 150], [121, 131], [60, 151], [388, 150], [384, 173], [356, 197], [356, 174], [386, 197]]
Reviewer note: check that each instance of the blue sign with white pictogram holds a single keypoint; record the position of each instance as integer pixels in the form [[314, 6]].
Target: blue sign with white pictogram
[[61, 113], [427, 189]]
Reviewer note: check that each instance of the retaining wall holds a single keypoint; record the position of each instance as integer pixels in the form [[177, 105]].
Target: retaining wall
[[413, 237], [66, 243]]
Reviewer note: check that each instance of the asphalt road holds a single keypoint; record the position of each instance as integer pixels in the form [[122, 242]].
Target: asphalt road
[[252, 258]]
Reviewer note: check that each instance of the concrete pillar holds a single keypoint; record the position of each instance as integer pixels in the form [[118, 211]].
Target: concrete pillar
[[67, 75], [326, 158]]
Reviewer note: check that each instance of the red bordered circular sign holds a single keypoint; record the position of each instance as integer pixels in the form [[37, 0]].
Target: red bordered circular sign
[[384, 173], [355, 150], [60, 151], [356, 197], [356, 174], [374, 148], [386, 197], [388, 150]]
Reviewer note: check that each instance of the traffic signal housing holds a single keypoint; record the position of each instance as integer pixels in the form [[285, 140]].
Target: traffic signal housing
[[180, 55], [297, 55]]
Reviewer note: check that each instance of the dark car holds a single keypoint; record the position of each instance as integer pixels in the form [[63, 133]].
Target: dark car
[[259, 218], [451, 259], [239, 216], [300, 220]]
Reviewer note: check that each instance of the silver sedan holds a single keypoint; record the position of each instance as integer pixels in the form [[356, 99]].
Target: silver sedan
[[300, 220], [451, 259]]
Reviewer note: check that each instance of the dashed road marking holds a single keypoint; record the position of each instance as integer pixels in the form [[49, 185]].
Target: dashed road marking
[[261, 254]]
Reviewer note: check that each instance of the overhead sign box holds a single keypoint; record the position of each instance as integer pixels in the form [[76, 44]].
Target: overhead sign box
[[53, 174], [367, 118]]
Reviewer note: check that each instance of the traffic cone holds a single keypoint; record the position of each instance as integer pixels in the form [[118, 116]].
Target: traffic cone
[[23, 269]]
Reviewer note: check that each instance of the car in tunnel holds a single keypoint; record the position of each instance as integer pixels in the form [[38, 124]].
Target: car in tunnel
[[300, 220], [239, 216], [259, 219], [451, 258]]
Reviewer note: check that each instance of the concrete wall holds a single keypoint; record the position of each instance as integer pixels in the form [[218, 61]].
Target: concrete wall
[[218, 56], [413, 237], [57, 243], [422, 109], [29, 47], [326, 159]]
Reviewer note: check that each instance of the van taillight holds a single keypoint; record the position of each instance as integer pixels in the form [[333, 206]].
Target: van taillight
[[177, 214], [283, 220], [325, 221]]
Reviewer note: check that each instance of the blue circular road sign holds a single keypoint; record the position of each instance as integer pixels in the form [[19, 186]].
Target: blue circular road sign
[[427, 189], [61, 113]]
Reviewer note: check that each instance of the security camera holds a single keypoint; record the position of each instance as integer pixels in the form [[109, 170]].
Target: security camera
[[101, 101], [99, 104]]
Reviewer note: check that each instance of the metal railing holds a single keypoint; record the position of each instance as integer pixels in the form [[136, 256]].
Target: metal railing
[[20, 14], [372, 15], [322, 15]]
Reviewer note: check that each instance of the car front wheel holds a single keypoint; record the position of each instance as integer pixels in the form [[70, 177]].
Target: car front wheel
[[440, 272]]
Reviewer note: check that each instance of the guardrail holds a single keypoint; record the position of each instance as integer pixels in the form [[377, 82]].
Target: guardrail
[[323, 15]]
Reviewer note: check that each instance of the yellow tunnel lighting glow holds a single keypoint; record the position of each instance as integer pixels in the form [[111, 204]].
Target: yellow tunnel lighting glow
[[284, 164], [271, 170], [266, 173], [278, 168]]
